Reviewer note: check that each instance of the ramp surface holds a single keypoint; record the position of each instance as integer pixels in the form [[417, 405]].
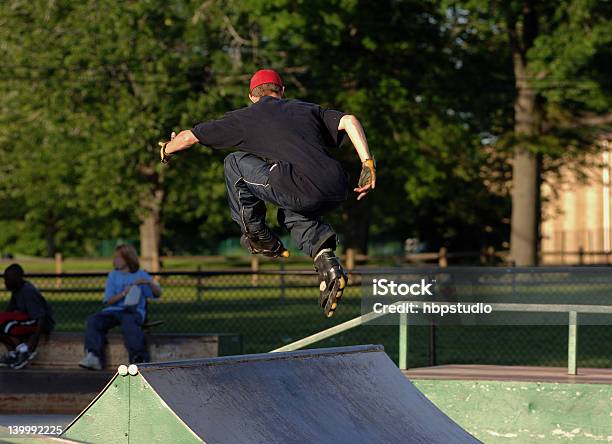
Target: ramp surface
[[342, 395]]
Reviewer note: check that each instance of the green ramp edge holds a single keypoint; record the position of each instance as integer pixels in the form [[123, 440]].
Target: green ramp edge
[[128, 410]]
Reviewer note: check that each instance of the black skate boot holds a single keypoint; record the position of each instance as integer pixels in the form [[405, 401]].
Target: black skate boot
[[332, 280], [264, 242]]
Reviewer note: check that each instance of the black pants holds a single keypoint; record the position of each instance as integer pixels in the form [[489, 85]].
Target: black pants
[[98, 325], [247, 181]]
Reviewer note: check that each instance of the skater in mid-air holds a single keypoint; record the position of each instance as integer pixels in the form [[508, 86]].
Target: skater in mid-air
[[283, 158]]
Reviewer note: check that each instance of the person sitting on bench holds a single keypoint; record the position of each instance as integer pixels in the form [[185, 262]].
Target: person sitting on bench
[[127, 289], [27, 316]]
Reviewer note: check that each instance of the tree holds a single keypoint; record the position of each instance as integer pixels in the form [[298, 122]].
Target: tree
[[94, 87], [91, 87], [41, 134], [556, 50]]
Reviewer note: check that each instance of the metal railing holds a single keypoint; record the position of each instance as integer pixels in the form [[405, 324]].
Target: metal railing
[[572, 310], [585, 280]]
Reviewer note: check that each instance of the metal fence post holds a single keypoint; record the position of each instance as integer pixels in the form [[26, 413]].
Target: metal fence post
[[254, 270], [58, 269], [442, 258], [433, 359], [403, 341], [350, 259], [572, 343], [199, 284]]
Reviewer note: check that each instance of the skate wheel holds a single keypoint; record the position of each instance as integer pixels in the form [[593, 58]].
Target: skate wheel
[[334, 305], [322, 286], [330, 314], [342, 282]]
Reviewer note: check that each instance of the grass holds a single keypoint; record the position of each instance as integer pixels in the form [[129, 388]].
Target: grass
[[297, 261], [268, 318], [34, 265]]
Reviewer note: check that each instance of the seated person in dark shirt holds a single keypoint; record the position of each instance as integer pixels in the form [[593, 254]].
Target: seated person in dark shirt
[[27, 316], [284, 158]]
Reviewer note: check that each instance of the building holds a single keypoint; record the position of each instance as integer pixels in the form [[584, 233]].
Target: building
[[576, 213]]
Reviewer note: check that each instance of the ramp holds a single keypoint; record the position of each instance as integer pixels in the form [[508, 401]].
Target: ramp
[[339, 395]]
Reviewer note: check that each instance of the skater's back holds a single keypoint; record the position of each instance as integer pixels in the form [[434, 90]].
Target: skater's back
[[294, 135]]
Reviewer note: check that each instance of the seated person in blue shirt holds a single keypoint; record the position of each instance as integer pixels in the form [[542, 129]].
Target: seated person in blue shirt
[[127, 288]]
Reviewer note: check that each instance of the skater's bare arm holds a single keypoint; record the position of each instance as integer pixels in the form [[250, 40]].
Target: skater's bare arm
[[353, 128], [181, 141], [367, 179]]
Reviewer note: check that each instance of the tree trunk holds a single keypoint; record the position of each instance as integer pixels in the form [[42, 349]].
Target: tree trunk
[[50, 236], [523, 239], [150, 223], [149, 240], [525, 172], [151, 202]]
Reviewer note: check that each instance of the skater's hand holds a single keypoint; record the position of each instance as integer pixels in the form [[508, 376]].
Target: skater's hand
[[165, 156], [367, 179]]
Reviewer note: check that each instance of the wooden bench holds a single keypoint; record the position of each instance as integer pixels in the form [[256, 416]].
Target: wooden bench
[[65, 350]]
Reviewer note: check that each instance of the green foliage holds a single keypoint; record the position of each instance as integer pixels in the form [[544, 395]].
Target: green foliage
[[568, 64], [90, 87]]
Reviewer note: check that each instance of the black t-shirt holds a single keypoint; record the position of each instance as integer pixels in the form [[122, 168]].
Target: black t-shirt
[[29, 300], [294, 134]]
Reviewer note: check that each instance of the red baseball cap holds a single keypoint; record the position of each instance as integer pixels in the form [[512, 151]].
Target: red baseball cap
[[265, 76]]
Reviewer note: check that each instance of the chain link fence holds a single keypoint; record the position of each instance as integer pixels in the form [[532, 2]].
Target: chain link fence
[[272, 308]]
